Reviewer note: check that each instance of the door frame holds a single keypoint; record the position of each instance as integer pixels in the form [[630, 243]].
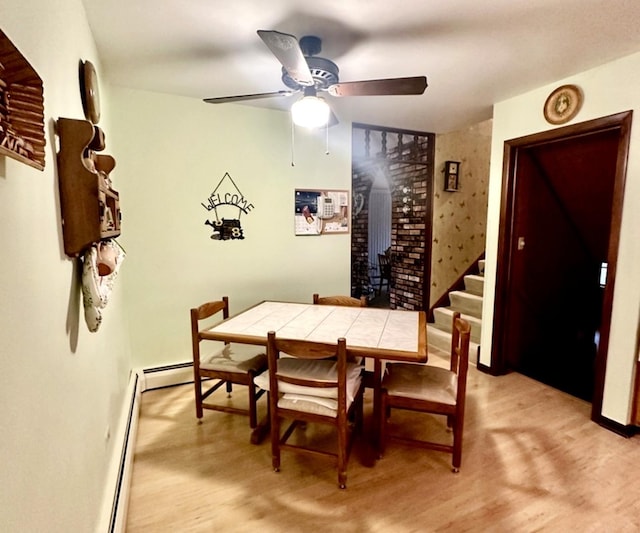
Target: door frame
[[620, 121]]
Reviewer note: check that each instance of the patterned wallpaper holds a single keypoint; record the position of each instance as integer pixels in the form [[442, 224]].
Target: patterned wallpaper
[[459, 218]]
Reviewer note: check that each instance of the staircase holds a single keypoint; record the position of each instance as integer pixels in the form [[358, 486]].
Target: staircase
[[469, 303]]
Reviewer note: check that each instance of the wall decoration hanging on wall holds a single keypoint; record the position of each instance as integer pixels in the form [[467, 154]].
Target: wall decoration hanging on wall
[[21, 107], [89, 205], [451, 175], [563, 104], [226, 198], [89, 91], [321, 212], [97, 282]]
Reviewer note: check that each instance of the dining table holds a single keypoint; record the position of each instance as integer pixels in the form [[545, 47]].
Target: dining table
[[372, 333]]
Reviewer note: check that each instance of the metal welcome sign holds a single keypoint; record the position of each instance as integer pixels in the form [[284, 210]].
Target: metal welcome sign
[[226, 198]]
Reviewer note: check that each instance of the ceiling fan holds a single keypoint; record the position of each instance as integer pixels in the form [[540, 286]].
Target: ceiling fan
[[303, 71]]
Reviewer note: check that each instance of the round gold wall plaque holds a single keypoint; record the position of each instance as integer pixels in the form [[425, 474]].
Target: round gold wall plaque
[[563, 104]]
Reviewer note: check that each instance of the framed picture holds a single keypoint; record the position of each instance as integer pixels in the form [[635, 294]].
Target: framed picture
[[321, 212], [451, 175]]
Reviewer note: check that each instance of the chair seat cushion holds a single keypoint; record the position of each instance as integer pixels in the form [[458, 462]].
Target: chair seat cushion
[[421, 382], [318, 370], [316, 404], [234, 357]]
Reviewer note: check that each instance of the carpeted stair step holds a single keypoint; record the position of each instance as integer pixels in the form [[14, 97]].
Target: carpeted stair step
[[466, 303], [438, 338], [444, 315], [474, 284], [441, 340], [481, 267]]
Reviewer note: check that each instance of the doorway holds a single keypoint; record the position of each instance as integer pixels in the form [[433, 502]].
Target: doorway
[[560, 222]]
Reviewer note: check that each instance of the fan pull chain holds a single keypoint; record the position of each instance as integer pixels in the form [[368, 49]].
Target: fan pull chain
[[327, 139], [293, 141]]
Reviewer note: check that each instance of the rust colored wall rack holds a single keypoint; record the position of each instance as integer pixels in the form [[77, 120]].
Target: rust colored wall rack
[[90, 207]]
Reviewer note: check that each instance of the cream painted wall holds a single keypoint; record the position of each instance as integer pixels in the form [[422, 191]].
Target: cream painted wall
[[522, 115], [61, 387], [171, 154]]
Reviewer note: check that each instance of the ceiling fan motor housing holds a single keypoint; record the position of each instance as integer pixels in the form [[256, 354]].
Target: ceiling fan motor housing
[[323, 71], [310, 45]]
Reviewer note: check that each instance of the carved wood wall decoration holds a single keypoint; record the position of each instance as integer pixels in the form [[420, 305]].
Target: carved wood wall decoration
[[21, 107], [90, 207]]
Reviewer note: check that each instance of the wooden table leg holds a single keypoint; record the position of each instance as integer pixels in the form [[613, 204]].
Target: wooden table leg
[[377, 381], [261, 431], [263, 428]]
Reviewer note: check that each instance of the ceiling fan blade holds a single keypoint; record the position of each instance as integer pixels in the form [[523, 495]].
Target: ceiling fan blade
[[241, 97], [391, 86], [287, 49]]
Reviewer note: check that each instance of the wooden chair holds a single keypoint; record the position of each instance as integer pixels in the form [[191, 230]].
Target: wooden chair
[[343, 301], [384, 266], [430, 389], [347, 301], [307, 387], [227, 363]]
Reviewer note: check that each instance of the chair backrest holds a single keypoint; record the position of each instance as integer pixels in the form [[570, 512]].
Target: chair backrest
[[312, 351], [347, 301], [384, 263], [460, 334], [203, 312]]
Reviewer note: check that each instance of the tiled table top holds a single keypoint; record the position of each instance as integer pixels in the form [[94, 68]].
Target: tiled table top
[[385, 333]]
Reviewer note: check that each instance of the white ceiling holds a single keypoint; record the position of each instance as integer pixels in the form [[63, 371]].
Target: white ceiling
[[473, 52]]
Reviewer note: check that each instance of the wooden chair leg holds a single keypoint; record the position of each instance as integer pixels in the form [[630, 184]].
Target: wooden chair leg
[[360, 413], [253, 416], [275, 434], [342, 456], [457, 445], [198, 390]]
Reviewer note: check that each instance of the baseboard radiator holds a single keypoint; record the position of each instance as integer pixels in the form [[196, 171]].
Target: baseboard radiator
[[113, 517]]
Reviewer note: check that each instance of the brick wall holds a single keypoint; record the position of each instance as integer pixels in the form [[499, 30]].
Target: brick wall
[[409, 164], [362, 182]]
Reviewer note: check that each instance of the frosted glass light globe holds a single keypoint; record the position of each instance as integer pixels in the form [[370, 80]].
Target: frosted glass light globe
[[310, 112]]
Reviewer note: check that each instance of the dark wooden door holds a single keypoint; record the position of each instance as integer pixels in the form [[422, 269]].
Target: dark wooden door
[[562, 214]]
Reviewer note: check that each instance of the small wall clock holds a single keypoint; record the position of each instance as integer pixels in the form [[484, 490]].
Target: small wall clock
[[451, 175], [563, 104]]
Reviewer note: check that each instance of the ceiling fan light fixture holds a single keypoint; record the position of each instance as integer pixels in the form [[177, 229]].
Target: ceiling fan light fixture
[[310, 112]]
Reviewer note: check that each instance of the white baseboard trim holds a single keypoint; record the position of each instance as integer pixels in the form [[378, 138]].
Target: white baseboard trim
[[113, 517], [168, 376]]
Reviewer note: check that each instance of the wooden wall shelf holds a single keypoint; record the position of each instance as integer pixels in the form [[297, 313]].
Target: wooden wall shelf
[[90, 207], [21, 107]]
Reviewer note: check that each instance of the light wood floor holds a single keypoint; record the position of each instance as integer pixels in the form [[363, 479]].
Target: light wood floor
[[532, 461]]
